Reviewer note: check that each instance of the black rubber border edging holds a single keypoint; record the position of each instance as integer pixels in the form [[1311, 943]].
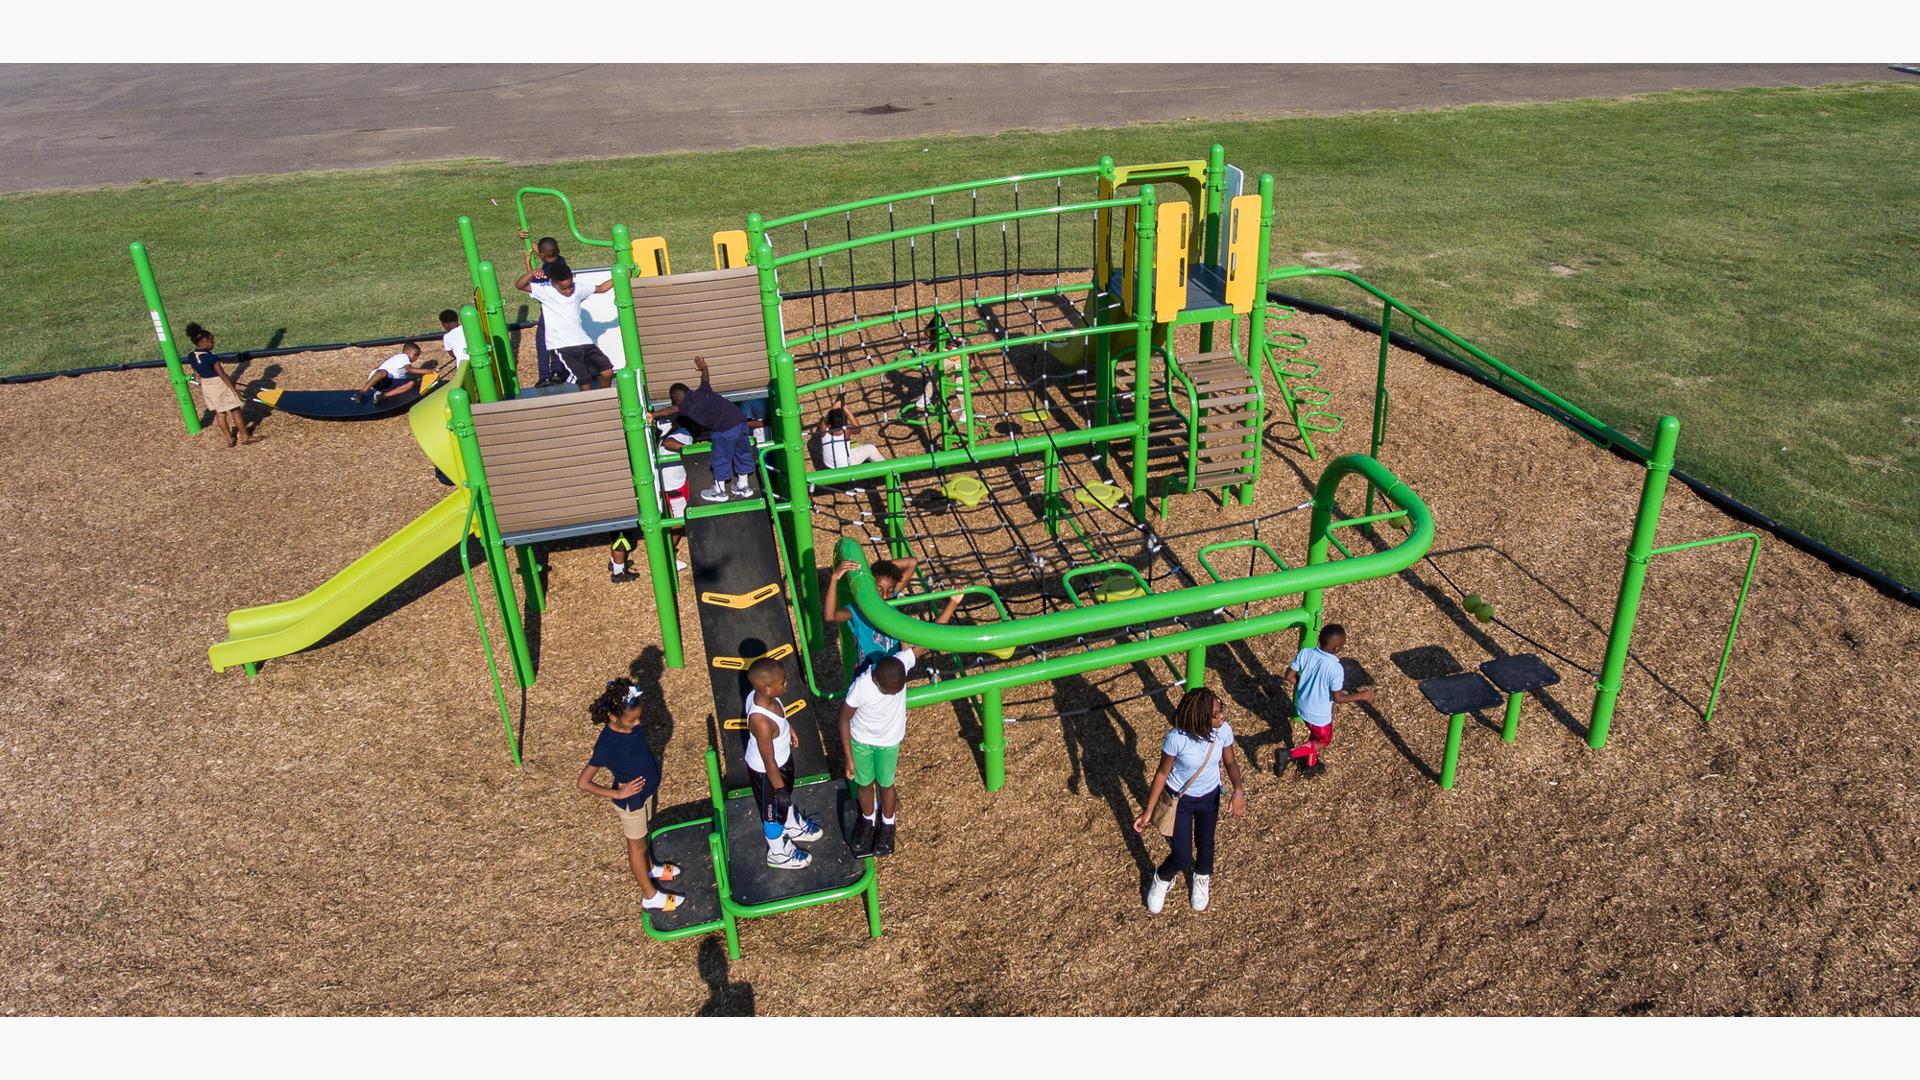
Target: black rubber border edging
[[244, 354], [1729, 505]]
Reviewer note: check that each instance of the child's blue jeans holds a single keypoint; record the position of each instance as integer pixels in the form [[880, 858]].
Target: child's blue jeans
[[732, 453]]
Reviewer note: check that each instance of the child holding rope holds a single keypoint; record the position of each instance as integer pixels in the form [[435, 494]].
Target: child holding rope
[[837, 448], [1316, 681], [623, 751]]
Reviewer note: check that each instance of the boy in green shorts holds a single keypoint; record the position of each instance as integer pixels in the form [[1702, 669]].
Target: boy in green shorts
[[873, 720]]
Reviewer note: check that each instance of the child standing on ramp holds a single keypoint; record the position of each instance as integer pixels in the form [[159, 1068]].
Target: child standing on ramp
[[1316, 682], [623, 751], [769, 757]]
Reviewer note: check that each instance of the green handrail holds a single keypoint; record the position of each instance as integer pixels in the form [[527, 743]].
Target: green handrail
[[1612, 437], [941, 459], [691, 929], [1078, 622], [486, 640], [1066, 579], [927, 193], [520, 207], [1229, 545], [928, 359]]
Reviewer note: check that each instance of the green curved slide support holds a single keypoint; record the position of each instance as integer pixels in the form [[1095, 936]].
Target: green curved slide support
[[262, 633]]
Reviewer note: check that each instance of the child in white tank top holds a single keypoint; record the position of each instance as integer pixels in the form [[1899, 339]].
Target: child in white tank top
[[770, 737]]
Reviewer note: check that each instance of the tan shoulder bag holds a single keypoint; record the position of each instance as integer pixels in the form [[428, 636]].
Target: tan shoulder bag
[[1164, 811]]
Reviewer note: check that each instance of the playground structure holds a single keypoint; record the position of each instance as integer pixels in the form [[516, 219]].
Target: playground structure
[[1060, 415]]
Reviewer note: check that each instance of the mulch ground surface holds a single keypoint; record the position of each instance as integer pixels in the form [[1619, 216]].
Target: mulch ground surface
[[345, 834]]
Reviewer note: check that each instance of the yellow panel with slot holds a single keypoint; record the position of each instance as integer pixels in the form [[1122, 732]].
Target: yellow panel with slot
[[1172, 224], [729, 249], [1242, 252], [650, 257]]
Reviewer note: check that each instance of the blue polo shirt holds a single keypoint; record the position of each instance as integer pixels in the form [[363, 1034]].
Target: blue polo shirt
[[704, 406], [203, 364], [627, 755], [1320, 676], [1191, 756]]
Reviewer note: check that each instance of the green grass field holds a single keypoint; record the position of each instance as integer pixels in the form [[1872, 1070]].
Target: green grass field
[[1747, 260]]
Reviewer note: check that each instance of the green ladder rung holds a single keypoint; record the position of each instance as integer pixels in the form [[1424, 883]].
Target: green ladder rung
[[1287, 339], [1307, 422], [1311, 395], [1280, 312], [1308, 368]]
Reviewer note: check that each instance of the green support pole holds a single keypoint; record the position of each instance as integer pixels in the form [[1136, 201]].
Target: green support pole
[[1456, 727], [896, 515], [804, 573], [633, 421], [1209, 223], [1142, 347], [506, 371], [189, 412], [1380, 394], [1052, 491], [479, 357], [1627, 609], [873, 907], [462, 408], [471, 248], [1102, 349], [1511, 729], [1196, 667], [994, 732]]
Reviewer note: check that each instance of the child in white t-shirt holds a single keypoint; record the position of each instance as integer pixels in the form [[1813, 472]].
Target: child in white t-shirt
[[567, 338], [454, 340], [394, 374], [873, 721]]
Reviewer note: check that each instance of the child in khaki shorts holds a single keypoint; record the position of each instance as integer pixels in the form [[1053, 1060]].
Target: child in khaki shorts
[[623, 751]]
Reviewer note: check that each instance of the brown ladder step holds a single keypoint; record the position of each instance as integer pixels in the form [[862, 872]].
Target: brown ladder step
[[1238, 433], [1212, 404], [1229, 452], [1221, 420]]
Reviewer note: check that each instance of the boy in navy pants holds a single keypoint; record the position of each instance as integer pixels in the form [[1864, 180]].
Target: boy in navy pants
[[726, 428]]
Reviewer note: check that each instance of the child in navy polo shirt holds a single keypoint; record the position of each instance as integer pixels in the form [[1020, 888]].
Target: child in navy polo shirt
[[726, 428], [1316, 681], [222, 397], [622, 750]]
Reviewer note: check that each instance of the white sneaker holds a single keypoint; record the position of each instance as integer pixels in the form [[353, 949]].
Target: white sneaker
[[743, 491], [716, 493], [680, 565], [1157, 894], [788, 857], [806, 833], [1202, 883]]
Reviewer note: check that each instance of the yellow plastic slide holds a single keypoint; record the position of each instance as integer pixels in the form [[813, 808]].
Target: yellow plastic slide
[[262, 633]]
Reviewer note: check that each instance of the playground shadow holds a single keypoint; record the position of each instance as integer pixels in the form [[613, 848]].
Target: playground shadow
[[724, 997], [430, 577], [1103, 752], [646, 671]]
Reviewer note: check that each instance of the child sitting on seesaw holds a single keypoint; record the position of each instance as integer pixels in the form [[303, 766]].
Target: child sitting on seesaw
[[1316, 681], [623, 751], [770, 739], [395, 374], [890, 576]]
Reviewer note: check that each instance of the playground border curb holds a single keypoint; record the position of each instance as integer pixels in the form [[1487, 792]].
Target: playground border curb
[[1838, 560]]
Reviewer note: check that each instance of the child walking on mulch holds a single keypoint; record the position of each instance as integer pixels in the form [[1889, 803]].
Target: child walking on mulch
[[770, 740], [1316, 682], [623, 751], [217, 391]]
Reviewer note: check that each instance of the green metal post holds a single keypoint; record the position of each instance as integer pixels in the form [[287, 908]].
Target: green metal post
[[1632, 579], [462, 408], [1196, 667], [1380, 394], [1102, 349], [1142, 346], [804, 573], [189, 412], [1051, 491], [623, 310], [1257, 335], [479, 357], [994, 735], [1209, 223], [1511, 729], [896, 516], [506, 371], [633, 421], [873, 907], [472, 249], [1456, 727]]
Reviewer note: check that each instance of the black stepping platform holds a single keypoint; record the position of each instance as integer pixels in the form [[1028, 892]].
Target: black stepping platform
[[687, 845], [1519, 674], [754, 882], [1464, 692]]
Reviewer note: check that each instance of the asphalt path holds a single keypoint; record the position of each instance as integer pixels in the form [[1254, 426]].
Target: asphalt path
[[88, 125]]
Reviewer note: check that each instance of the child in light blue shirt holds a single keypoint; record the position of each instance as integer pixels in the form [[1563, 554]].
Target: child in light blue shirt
[[1316, 681]]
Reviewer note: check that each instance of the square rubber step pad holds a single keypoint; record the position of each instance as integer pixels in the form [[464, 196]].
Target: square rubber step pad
[[754, 882], [687, 845]]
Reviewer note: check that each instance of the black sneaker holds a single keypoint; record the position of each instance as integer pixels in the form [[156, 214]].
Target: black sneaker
[[620, 576], [377, 395], [883, 838], [861, 842]]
